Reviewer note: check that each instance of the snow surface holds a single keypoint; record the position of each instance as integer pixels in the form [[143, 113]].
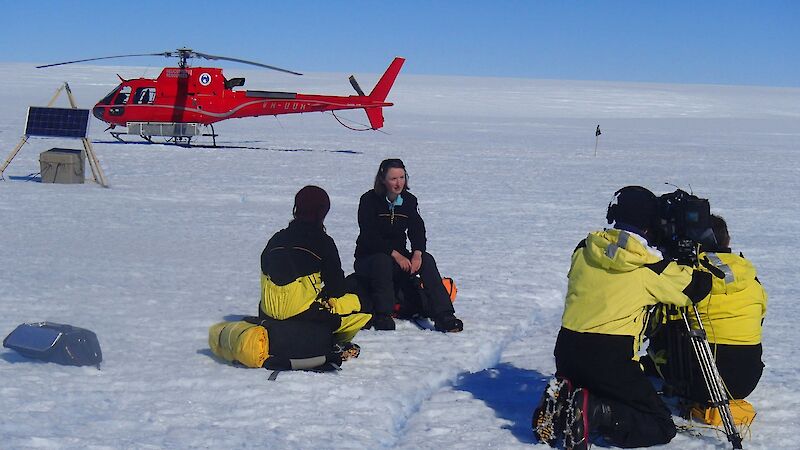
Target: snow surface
[[508, 184]]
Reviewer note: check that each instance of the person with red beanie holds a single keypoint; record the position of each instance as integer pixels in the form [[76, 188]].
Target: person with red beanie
[[311, 205], [301, 272]]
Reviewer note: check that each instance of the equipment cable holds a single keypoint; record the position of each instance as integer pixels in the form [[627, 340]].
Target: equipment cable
[[366, 127]]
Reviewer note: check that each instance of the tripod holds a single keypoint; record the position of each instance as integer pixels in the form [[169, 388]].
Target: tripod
[[711, 376]]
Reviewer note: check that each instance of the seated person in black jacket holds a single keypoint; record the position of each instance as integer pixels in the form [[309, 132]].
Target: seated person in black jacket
[[387, 215]]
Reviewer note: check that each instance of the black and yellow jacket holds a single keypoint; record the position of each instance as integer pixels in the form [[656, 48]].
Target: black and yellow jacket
[[734, 311], [615, 278], [299, 265], [383, 227]]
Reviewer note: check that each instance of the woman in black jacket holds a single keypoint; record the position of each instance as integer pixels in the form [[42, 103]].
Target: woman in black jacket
[[387, 215]]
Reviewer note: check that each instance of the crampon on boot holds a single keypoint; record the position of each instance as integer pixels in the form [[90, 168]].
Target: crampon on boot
[[576, 433], [549, 418], [347, 350], [585, 414]]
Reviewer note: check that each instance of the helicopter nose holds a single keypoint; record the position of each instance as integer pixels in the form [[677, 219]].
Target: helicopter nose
[[98, 112]]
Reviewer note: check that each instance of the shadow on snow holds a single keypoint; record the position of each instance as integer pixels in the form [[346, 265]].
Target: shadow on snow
[[511, 392], [229, 146]]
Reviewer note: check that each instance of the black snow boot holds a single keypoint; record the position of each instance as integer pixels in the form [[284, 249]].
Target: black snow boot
[[586, 413], [382, 322], [448, 324]]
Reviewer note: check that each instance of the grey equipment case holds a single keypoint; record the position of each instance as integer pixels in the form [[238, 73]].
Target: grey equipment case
[[54, 342], [62, 165]]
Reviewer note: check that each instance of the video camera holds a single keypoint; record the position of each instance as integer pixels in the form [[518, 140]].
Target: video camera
[[683, 224]]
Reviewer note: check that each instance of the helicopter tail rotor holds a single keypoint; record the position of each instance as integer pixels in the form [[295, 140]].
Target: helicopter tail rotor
[[355, 85]]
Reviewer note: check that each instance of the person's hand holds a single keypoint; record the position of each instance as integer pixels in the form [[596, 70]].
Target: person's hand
[[416, 262], [328, 304], [700, 286], [401, 261]]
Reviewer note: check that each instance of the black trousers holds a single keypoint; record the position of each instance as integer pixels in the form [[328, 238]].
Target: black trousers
[[382, 273], [740, 366], [304, 341], [602, 364]]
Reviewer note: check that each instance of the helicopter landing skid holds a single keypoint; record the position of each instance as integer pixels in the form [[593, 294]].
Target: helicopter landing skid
[[116, 135], [176, 139]]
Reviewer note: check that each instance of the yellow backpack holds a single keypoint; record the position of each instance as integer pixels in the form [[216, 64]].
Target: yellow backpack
[[242, 342]]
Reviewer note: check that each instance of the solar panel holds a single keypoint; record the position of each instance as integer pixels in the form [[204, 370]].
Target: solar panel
[[57, 122]]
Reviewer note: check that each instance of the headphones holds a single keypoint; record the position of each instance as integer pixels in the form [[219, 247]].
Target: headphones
[[611, 212], [391, 163]]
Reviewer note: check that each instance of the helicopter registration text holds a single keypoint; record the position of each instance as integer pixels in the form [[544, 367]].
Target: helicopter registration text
[[287, 106]]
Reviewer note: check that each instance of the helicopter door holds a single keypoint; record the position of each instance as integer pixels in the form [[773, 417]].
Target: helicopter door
[[145, 96], [119, 101]]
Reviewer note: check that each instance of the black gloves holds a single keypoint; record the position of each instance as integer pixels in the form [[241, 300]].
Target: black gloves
[[699, 287]]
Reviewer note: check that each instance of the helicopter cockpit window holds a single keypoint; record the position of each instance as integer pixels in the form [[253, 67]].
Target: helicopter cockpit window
[[144, 96], [107, 99], [123, 95]]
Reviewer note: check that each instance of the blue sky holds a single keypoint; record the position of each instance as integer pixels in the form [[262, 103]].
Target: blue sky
[[716, 42]]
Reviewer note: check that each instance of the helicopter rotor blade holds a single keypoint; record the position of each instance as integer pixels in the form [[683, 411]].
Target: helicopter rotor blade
[[225, 58], [182, 53], [104, 57]]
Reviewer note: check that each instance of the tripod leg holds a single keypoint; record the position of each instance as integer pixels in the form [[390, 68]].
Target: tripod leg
[[713, 381]]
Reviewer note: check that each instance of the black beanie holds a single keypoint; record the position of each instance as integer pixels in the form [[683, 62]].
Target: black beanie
[[633, 205], [311, 204]]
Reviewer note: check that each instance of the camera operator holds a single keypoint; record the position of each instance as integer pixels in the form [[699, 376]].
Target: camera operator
[[732, 316], [615, 277]]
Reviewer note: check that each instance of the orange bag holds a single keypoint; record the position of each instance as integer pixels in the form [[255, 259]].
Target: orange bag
[[450, 287]]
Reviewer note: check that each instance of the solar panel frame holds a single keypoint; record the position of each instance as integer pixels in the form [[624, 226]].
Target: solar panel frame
[[57, 122]]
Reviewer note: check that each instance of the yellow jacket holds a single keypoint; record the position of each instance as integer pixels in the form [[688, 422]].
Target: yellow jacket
[[283, 302], [614, 280], [733, 312]]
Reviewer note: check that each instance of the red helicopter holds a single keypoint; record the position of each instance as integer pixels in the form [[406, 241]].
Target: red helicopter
[[182, 99]]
